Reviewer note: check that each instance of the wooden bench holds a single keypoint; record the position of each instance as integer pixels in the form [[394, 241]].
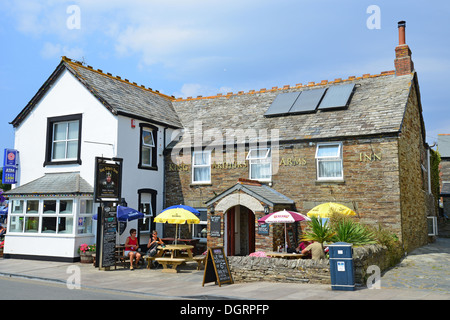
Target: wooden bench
[[200, 259], [120, 259], [173, 262]]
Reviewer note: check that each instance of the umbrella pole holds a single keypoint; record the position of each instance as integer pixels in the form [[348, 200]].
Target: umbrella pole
[[285, 234], [176, 234]]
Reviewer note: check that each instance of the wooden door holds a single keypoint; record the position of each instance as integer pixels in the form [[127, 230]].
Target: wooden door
[[230, 232]]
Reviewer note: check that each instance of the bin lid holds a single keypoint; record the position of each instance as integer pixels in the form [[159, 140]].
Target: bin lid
[[341, 244]]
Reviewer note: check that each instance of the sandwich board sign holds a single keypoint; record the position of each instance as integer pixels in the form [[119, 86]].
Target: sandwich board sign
[[216, 267]]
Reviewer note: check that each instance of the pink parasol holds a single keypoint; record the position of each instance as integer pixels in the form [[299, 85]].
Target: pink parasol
[[283, 216]]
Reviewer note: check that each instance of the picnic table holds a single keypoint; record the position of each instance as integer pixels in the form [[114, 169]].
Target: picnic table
[[285, 255], [172, 256]]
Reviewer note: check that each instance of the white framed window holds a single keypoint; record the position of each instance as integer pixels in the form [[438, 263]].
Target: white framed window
[[65, 140], [199, 231], [260, 164], [51, 216], [329, 161], [86, 211], [148, 147], [201, 167], [432, 226]]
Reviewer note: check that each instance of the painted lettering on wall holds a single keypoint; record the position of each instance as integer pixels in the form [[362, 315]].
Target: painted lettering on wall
[[369, 157], [291, 162], [178, 167]]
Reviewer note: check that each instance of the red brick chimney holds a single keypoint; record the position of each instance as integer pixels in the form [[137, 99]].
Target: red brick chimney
[[403, 62]]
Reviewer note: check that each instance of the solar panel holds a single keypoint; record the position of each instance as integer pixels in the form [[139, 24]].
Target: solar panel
[[337, 97], [308, 101], [282, 104]]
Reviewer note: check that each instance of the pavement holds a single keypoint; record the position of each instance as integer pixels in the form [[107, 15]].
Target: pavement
[[422, 275]]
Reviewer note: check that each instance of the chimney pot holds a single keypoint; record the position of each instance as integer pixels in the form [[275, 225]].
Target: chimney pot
[[401, 33]]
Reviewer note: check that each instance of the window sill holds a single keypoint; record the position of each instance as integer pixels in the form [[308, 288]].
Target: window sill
[[147, 167], [200, 184], [58, 163], [331, 181]]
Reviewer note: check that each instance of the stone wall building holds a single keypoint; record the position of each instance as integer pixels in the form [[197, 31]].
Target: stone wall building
[[358, 141]]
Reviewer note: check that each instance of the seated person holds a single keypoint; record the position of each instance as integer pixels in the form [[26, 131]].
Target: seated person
[[153, 244], [131, 246], [303, 246], [316, 249]]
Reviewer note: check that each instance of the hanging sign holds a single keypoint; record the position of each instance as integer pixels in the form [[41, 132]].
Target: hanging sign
[[10, 158], [108, 179], [217, 268]]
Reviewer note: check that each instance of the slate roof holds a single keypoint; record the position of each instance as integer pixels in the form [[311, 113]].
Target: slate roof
[[261, 192], [54, 183], [118, 95], [377, 107]]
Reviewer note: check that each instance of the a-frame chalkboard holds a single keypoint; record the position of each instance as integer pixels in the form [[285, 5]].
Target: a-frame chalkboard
[[217, 268]]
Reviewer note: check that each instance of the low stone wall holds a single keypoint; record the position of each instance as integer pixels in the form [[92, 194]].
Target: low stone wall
[[250, 269]]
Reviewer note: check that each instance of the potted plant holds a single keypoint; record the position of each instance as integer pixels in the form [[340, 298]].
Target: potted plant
[[87, 253]]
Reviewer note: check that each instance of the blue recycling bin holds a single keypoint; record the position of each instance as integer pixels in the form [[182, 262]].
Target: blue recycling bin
[[341, 266]]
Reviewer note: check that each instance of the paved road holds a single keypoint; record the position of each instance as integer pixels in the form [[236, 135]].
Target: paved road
[[426, 268], [424, 274]]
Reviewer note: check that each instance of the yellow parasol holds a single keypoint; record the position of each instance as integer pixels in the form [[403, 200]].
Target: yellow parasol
[[177, 216], [325, 210]]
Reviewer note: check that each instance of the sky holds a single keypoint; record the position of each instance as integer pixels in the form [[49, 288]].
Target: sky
[[188, 48]]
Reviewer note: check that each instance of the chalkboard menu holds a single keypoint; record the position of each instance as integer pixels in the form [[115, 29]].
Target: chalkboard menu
[[214, 226], [216, 268], [109, 227]]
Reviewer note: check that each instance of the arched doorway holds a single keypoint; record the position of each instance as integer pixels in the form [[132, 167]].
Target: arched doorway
[[239, 231]]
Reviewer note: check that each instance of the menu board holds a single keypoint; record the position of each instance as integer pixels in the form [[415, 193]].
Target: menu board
[[214, 226], [109, 227], [217, 268]]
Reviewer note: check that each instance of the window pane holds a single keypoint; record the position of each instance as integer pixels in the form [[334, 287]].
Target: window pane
[[73, 130], [49, 206], [59, 131], [201, 158], [59, 150], [328, 151], [33, 206], [86, 206], [84, 225], [202, 174], [72, 149], [147, 138], [260, 169], [65, 225], [146, 155], [65, 206], [31, 224], [16, 224], [49, 225], [17, 206], [330, 169]]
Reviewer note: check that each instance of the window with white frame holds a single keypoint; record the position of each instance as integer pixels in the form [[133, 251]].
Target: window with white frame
[[260, 164], [329, 161], [148, 146], [65, 140], [199, 230], [84, 223], [201, 166], [50, 216]]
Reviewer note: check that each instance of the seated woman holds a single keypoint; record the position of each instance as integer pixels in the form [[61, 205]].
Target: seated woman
[[153, 244], [131, 246]]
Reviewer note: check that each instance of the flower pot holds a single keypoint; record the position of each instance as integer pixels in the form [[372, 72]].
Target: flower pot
[[86, 257]]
